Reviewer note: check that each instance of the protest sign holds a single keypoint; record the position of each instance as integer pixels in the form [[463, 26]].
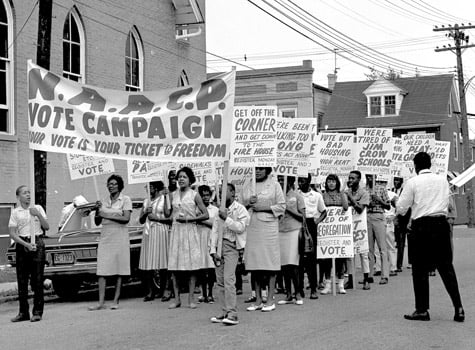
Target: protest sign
[[240, 177], [191, 122], [374, 150], [312, 157], [145, 171], [335, 154], [360, 232], [398, 155], [84, 166], [294, 140], [253, 140], [335, 234], [411, 145], [139, 171], [440, 154]]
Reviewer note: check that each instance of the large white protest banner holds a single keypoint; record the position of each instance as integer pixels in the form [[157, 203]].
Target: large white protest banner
[[84, 166], [411, 145], [440, 155], [191, 122], [335, 234], [360, 232], [335, 155], [253, 140], [294, 140], [374, 150]]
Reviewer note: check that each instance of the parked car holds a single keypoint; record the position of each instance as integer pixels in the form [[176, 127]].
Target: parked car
[[71, 254]]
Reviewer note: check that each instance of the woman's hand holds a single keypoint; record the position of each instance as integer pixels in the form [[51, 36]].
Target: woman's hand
[[31, 247]]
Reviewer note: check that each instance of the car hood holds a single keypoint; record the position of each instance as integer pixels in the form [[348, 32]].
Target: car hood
[[84, 236]]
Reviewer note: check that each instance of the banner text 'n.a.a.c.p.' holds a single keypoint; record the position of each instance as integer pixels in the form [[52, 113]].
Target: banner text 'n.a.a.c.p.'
[[190, 122]]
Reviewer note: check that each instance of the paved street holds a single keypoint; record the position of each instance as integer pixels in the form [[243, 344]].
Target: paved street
[[359, 320]]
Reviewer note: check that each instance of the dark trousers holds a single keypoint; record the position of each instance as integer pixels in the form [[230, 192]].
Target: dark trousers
[[308, 262], [430, 249], [30, 266], [400, 233]]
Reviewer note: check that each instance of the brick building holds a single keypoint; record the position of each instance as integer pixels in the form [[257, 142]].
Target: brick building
[[117, 44]]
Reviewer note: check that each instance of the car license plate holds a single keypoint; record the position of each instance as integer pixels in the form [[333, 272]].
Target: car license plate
[[63, 258]]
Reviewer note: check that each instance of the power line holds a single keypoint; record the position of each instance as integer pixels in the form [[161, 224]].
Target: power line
[[24, 24]]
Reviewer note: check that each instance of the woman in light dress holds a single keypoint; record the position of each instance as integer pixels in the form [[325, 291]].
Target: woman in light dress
[[184, 253], [262, 254], [113, 252], [154, 250]]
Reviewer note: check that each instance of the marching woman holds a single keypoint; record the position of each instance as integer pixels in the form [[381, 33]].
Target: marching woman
[[184, 252], [154, 250], [113, 252], [334, 198], [289, 227], [262, 254]]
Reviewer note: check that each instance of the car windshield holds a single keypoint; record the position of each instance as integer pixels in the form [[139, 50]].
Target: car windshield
[[83, 219]]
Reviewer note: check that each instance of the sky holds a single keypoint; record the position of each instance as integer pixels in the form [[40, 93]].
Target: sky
[[369, 33]]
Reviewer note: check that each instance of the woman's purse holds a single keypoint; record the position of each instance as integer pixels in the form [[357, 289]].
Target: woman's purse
[[306, 245]]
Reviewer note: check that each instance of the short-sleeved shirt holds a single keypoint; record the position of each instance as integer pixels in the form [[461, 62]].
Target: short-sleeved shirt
[[122, 203], [360, 195], [333, 199], [314, 204], [376, 207], [296, 202], [21, 219]]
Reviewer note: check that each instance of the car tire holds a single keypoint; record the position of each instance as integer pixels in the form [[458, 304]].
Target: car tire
[[66, 287]]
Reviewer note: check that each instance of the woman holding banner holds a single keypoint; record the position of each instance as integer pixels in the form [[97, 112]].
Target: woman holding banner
[[154, 250], [289, 230], [266, 204], [184, 253], [113, 252], [333, 197]]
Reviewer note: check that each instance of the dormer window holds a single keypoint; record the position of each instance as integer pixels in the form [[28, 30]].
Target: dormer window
[[384, 98]]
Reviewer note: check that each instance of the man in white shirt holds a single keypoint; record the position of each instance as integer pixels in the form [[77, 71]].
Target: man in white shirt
[[315, 212], [235, 220], [427, 195]]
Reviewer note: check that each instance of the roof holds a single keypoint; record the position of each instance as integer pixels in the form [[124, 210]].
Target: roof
[[426, 102]]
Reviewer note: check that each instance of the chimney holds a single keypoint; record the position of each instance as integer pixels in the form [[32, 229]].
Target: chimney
[[331, 80], [307, 63]]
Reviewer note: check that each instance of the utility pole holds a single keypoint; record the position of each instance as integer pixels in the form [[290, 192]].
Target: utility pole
[[43, 60], [456, 32]]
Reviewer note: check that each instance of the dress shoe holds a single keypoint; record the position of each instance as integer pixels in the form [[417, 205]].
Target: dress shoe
[[20, 318], [398, 269], [369, 280], [148, 298], [366, 286], [392, 274], [418, 316], [35, 318], [459, 315], [349, 284], [314, 295], [377, 273], [384, 280], [166, 297]]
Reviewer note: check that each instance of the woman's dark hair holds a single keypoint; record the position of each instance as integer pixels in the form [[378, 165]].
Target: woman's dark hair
[[188, 173], [158, 185], [336, 179], [291, 181], [268, 169], [204, 188], [19, 189], [118, 178]]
